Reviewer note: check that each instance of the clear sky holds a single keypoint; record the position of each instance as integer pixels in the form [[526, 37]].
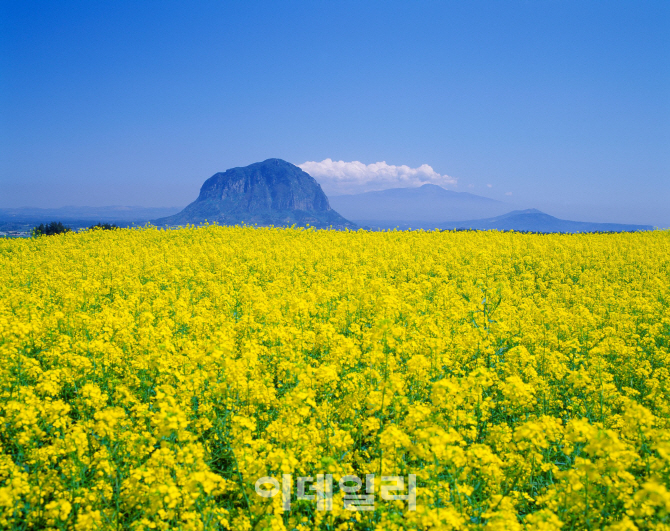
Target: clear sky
[[558, 105]]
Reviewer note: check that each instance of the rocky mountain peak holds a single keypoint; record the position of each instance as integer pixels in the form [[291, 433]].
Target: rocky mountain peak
[[272, 192]]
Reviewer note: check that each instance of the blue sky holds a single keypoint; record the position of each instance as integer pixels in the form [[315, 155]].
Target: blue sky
[[558, 105]]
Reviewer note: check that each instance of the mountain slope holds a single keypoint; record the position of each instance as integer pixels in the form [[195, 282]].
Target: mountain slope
[[535, 221], [272, 192], [427, 203]]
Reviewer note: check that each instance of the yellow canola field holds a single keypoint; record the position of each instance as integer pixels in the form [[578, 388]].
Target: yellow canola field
[[150, 378]]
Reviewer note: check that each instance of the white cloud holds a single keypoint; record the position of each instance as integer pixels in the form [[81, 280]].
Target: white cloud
[[508, 193], [489, 186], [339, 177]]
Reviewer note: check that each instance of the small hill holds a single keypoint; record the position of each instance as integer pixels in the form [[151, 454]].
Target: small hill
[[533, 220], [530, 220], [427, 203], [272, 192]]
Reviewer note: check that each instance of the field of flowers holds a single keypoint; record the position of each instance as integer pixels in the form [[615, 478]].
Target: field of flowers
[[150, 378]]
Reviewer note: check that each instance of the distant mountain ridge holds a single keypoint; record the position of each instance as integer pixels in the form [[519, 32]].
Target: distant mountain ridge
[[427, 203], [272, 192], [533, 220], [276, 192], [84, 216], [530, 220]]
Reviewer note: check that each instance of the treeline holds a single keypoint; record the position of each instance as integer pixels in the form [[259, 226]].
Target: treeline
[[57, 227]]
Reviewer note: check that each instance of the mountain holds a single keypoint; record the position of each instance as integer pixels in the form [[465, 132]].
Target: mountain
[[427, 203], [429, 206], [533, 220], [272, 192]]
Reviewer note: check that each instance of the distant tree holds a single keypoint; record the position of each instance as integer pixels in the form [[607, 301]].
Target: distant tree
[[104, 226], [49, 229]]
